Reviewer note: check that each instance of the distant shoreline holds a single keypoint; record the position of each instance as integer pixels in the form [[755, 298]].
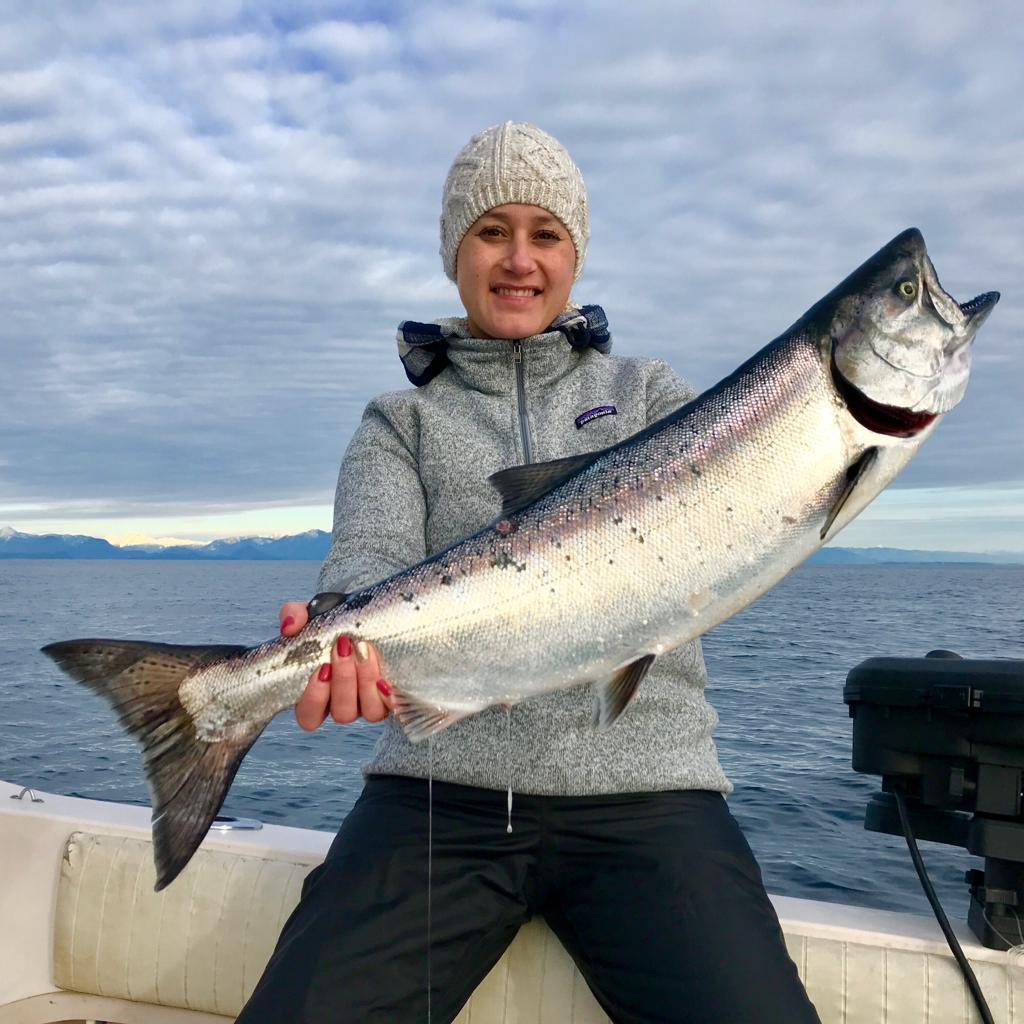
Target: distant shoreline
[[151, 558], [313, 545], [853, 563]]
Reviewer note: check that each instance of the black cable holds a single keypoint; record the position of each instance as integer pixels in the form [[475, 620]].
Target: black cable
[[940, 915]]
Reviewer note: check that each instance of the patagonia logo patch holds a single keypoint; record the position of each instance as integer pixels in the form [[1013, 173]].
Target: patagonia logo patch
[[592, 414]]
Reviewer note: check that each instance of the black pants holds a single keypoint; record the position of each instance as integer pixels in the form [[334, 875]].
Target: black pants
[[656, 896]]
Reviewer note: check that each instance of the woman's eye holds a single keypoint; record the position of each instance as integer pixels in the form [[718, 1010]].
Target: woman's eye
[[548, 236]]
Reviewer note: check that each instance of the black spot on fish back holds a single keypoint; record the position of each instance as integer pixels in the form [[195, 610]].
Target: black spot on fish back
[[304, 651]]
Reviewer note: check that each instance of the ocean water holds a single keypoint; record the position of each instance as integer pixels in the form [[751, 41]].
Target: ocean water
[[776, 678]]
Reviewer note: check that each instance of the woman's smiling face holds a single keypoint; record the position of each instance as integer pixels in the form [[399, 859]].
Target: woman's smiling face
[[515, 268]]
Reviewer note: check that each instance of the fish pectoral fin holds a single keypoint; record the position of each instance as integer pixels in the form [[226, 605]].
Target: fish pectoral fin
[[188, 776], [853, 476], [521, 485], [611, 698], [421, 719]]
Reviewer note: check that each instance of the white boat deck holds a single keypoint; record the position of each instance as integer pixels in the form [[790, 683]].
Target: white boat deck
[[85, 937]]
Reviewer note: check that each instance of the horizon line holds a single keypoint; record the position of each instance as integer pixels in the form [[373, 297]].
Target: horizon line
[[8, 531]]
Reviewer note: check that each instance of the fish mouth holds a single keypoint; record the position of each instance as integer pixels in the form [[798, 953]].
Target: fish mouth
[[979, 306]]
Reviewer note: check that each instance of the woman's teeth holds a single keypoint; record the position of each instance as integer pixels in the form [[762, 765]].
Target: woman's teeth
[[523, 292]]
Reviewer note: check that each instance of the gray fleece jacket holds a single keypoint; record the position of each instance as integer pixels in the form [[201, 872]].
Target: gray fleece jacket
[[414, 480]]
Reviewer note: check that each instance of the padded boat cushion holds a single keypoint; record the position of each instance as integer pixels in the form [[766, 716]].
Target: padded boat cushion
[[856, 983], [202, 944]]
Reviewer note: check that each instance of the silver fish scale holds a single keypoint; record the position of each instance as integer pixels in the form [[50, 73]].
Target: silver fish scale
[[715, 505]]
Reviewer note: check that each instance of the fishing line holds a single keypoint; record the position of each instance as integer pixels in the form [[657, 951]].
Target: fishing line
[[430, 856], [508, 758]]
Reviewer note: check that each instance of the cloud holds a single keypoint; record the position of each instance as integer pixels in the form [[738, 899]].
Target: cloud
[[213, 216], [347, 44], [461, 34]]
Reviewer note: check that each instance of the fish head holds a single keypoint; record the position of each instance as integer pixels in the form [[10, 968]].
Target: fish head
[[897, 337]]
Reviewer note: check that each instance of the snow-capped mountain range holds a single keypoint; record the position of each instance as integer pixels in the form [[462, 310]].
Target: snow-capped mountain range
[[313, 545]]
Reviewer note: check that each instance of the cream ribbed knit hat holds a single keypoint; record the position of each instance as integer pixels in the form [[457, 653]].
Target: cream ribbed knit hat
[[514, 162]]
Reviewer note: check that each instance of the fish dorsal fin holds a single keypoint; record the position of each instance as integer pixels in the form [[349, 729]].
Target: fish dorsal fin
[[611, 698], [521, 485], [853, 477]]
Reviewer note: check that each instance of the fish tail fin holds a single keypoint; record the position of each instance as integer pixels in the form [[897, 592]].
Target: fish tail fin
[[188, 776]]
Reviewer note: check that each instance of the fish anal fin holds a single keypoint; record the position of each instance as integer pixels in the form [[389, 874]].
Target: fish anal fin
[[611, 698], [421, 719], [188, 776], [854, 475], [521, 485]]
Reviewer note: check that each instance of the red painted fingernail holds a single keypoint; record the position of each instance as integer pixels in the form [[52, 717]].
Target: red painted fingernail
[[344, 647], [324, 675], [383, 687], [285, 623]]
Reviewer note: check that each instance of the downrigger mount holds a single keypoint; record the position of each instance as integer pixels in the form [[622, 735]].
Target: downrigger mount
[[947, 736]]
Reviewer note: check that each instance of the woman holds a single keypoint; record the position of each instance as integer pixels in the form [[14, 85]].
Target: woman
[[621, 838]]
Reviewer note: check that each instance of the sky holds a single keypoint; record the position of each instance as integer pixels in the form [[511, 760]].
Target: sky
[[214, 215]]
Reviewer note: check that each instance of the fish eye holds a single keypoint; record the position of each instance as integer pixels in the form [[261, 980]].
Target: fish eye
[[906, 289]]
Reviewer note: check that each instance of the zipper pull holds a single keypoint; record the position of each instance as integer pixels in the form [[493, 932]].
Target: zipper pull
[[517, 352]]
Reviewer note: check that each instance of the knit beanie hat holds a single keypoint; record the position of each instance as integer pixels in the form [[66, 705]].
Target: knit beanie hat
[[514, 162]]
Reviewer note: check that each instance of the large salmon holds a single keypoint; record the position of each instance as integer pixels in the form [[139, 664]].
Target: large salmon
[[599, 562]]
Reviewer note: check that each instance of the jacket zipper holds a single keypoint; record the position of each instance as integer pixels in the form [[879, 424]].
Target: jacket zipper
[[524, 429]]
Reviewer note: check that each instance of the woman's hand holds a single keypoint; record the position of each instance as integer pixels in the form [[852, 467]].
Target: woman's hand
[[347, 686]]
